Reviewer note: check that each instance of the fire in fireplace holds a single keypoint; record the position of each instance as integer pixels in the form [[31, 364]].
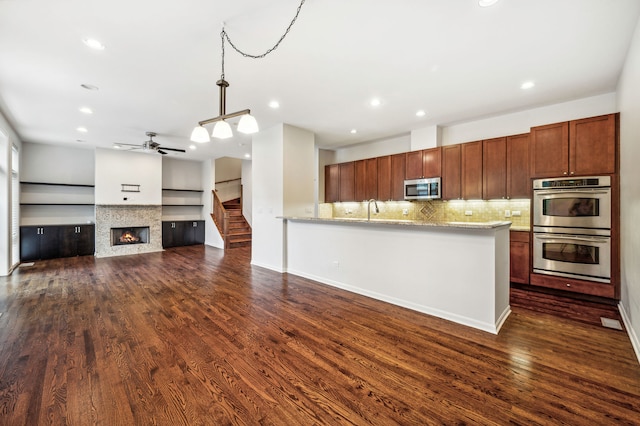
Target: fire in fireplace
[[129, 235]]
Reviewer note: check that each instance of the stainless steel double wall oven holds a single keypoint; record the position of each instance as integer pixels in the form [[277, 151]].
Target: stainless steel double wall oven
[[572, 227]]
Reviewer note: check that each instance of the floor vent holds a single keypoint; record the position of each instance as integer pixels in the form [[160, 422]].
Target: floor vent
[[26, 264], [611, 323]]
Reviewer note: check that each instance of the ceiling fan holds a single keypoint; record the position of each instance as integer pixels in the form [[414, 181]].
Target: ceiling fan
[[151, 145]]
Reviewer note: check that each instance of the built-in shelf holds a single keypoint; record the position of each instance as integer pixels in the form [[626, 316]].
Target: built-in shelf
[[58, 184], [183, 205], [182, 190], [57, 204]]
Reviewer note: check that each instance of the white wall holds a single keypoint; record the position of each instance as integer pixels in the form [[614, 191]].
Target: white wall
[[247, 190], [212, 235], [228, 168], [629, 106], [181, 174], [114, 168], [57, 164], [268, 193], [377, 148], [5, 203], [300, 171]]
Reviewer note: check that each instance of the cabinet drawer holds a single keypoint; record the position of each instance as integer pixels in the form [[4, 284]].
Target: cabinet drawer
[[519, 236]]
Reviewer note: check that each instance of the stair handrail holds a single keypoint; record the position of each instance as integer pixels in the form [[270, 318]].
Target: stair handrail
[[220, 215]]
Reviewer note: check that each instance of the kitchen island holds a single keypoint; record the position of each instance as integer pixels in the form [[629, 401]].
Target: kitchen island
[[458, 271]]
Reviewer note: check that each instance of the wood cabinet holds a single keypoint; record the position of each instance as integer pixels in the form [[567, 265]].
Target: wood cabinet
[[398, 172], [77, 240], [360, 180], [471, 168], [451, 172], [579, 147], [182, 233], [347, 182], [505, 168], [494, 166], [332, 183], [518, 179], [426, 163], [50, 242], [519, 256], [384, 178], [371, 179]]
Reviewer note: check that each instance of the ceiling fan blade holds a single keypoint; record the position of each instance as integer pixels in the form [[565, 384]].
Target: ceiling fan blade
[[162, 152], [172, 149], [127, 144]]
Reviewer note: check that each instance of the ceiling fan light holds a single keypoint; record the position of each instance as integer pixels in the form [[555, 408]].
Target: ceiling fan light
[[248, 124], [222, 130], [200, 135]]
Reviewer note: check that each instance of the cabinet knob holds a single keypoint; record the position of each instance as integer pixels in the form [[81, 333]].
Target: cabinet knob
[[564, 173], [568, 285], [572, 173]]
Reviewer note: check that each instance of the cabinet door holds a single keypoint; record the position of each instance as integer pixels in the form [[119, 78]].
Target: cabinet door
[[518, 179], [199, 233], [413, 168], [68, 240], [451, 172], [593, 145], [347, 182], [550, 150], [167, 234], [360, 180], [49, 242], [86, 240], [384, 178], [371, 179], [519, 256], [29, 243], [331, 183], [471, 170], [432, 162], [398, 172], [188, 233], [494, 168]]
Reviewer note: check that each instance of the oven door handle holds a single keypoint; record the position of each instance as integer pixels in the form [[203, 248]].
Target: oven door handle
[[573, 191], [572, 237]]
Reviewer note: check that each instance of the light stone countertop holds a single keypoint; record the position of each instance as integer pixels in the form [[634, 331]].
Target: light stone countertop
[[463, 225]]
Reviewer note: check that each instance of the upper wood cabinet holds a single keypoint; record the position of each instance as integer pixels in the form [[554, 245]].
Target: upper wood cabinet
[[518, 178], [580, 147], [426, 163], [494, 165], [332, 183], [451, 172], [506, 167], [360, 183], [471, 170], [384, 178], [347, 181], [398, 173]]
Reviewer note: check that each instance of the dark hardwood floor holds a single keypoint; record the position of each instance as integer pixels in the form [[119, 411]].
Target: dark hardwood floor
[[197, 336]]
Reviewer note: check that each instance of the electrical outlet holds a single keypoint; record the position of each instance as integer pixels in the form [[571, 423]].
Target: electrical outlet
[[405, 212], [507, 213], [516, 213], [468, 213]]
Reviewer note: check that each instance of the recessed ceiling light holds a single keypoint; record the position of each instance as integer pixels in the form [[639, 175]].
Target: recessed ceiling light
[[82, 129], [527, 85], [274, 104], [421, 113], [86, 110], [354, 131], [375, 102], [116, 146], [247, 156], [93, 43], [192, 147], [487, 3], [89, 86]]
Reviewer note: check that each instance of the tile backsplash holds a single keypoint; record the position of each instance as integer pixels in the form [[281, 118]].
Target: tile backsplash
[[515, 211]]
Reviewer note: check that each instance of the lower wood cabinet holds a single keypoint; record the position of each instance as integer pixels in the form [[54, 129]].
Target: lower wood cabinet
[[182, 233], [52, 241], [519, 256]]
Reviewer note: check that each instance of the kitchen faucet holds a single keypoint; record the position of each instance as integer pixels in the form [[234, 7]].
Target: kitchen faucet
[[375, 203]]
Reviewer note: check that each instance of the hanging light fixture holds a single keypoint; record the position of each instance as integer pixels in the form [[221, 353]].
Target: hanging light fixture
[[247, 123], [222, 129]]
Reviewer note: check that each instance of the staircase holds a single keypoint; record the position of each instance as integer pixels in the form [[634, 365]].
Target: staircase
[[238, 230]]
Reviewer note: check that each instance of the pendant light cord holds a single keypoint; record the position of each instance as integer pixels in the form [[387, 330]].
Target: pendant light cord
[[224, 35]]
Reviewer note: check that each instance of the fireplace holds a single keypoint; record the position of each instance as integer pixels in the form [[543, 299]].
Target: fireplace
[[129, 235]]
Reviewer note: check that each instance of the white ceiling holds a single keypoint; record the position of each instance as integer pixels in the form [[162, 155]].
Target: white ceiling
[[451, 58]]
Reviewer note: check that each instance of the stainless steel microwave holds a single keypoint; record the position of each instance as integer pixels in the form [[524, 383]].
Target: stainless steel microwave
[[422, 189]]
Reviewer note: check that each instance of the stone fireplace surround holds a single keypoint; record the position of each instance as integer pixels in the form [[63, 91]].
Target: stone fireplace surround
[[116, 216]]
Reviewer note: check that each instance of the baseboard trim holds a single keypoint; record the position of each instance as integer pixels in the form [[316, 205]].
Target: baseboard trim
[[635, 342]]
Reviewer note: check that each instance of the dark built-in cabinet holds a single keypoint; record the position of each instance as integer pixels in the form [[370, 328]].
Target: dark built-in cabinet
[[53, 241], [182, 233]]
